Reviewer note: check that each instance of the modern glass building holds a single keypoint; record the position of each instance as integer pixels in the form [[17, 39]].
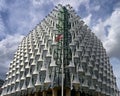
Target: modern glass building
[[60, 57]]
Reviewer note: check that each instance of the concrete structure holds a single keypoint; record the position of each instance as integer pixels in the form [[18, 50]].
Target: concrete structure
[[60, 51], [1, 83]]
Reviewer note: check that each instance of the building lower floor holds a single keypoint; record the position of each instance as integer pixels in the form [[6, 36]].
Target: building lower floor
[[57, 92]]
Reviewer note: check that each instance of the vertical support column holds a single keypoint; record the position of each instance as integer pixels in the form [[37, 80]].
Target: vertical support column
[[54, 92], [77, 93], [44, 93], [68, 92], [29, 94], [98, 94], [36, 94]]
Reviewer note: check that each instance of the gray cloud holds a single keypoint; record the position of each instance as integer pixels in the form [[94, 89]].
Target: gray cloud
[[23, 15], [2, 25]]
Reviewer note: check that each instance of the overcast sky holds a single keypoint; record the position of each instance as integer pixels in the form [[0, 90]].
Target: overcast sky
[[18, 17]]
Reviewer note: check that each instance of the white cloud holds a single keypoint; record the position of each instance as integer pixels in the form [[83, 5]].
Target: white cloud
[[40, 2], [74, 3], [99, 30], [28, 17], [96, 8], [2, 5], [87, 19]]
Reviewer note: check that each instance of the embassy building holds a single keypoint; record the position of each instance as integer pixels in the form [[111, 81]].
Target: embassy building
[[60, 57]]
